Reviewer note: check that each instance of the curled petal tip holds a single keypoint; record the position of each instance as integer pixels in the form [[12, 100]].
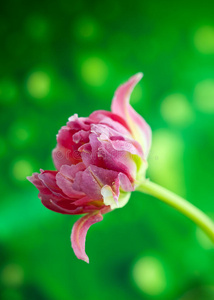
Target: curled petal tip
[[86, 260], [79, 231], [140, 130], [83, 258], [138, 76], [73, 118]]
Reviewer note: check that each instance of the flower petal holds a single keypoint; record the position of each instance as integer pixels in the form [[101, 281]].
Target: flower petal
[[141, 131], [102, 154], [61, 156], [46, 184], [79, 231], [66, 151], [103, 117], [109, 198], [118, 194], [65, 179], [92, 180]]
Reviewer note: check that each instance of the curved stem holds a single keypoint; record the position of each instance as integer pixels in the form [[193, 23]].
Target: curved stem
[[185, 207]]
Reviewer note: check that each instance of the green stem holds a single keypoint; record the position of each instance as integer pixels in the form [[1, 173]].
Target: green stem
[[188, 209]]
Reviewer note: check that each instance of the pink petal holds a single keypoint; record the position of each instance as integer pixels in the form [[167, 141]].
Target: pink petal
[[63, 207], [66, 152], [65, 179], [34, 179], [119, 161], [65, 137], [48, 178], [105, 132], [92, 180], [118, 141], [51, 195], [79, 231], [111, 193], [124, 183], [116, 126], [141, 131], [99, 115], [77, 124], [46, 184], [121, 183], [89, 152], [61, 157], [128, 146], [86, 201], [105, 156], [81, 136]]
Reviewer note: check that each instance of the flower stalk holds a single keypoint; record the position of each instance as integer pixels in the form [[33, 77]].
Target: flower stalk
[[98, 161], [180, 204]]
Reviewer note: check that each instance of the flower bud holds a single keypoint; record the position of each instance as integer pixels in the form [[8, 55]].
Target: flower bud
[[99, 161]]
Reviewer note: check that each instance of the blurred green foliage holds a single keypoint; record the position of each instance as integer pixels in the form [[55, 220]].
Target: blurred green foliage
[[60, 58]]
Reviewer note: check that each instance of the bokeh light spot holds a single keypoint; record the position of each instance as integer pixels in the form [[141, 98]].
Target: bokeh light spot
[[204, 39], [38, 84], [8, 92], [149, 275], [12, 275], [86, 28], [94, 71], [166, 160], [19, 133], [176, 110], [21, 169], [22, 134], [204, 96]]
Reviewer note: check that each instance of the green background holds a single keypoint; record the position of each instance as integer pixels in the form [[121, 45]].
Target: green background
[[59, 58]]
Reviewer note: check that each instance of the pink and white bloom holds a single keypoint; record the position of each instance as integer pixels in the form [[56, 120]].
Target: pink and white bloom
[[99, 162]]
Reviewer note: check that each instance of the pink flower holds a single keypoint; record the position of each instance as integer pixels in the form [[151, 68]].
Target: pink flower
[[98, 160]]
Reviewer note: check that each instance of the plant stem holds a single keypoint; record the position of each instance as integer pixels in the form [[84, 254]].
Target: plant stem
[[185, 207]]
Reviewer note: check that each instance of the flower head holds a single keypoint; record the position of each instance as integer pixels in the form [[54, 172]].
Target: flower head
[[98, 160]]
